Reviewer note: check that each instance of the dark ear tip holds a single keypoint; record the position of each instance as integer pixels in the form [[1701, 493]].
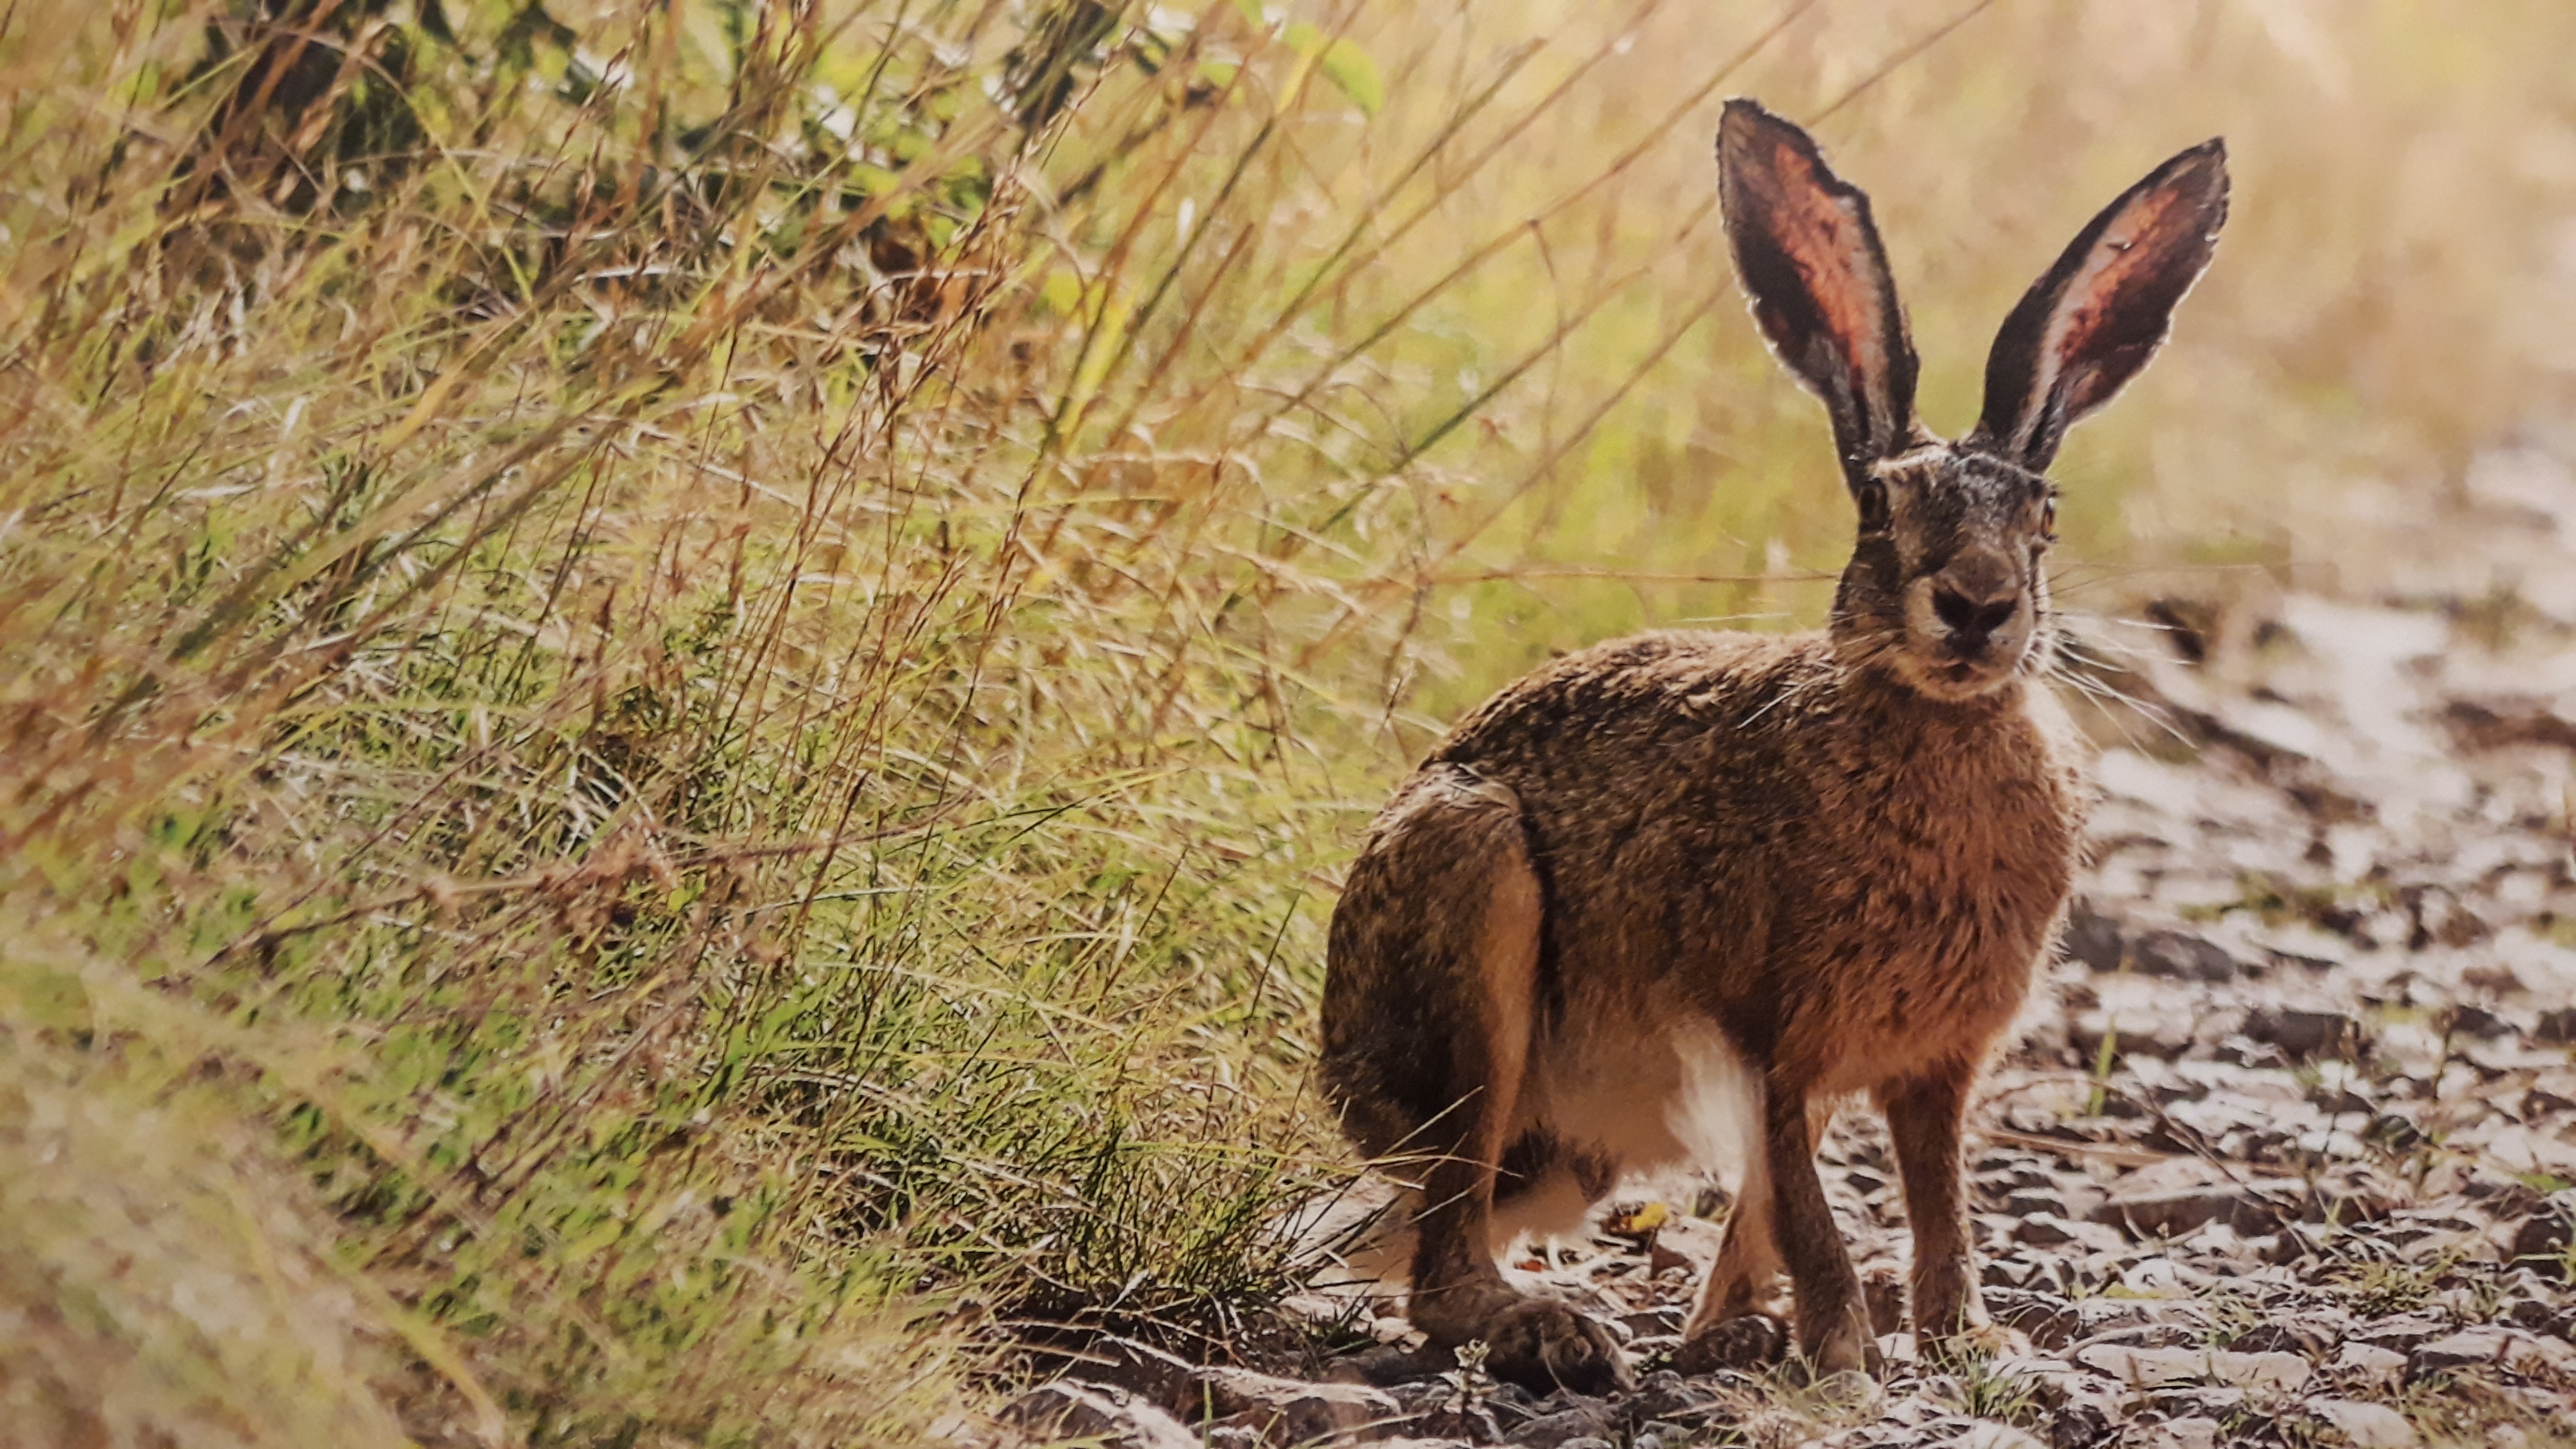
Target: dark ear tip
[[1746, 119], [2208, 159]]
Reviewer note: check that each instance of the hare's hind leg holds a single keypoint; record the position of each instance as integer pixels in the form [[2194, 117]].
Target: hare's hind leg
[[1429, 1000], [1738, 1322]]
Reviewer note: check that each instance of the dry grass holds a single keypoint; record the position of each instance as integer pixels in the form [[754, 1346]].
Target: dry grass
[[681, 689]]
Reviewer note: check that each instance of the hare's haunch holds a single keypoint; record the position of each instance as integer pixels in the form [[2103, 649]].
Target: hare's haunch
[[1683, 891]]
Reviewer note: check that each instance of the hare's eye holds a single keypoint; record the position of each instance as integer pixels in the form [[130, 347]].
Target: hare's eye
[[1871, 495], [2048, 518]]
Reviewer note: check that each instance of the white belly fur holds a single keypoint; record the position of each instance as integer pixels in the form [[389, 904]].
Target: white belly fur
[[1687, 1099]]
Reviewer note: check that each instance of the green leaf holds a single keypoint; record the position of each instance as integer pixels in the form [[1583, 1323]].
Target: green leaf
[[1351, 68], [1348, 67]]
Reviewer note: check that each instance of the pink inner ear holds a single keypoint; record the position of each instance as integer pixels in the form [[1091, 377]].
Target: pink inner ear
[[1827, 240], [2132, 252]]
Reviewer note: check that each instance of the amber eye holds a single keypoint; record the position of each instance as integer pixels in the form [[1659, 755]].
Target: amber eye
[[2048, 517]]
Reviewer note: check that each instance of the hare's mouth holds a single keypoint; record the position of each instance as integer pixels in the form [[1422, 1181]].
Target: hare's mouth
[[1943, 674]]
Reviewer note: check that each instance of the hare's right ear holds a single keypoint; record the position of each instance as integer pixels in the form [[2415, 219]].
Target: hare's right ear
[[1810, 258], [2086, 327]]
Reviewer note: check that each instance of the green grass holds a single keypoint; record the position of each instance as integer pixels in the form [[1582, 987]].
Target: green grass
[[681, 688]]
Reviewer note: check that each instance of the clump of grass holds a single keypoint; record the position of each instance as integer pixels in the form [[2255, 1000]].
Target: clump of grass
[[1987, 1389], [690, 679], [2377, 1286]]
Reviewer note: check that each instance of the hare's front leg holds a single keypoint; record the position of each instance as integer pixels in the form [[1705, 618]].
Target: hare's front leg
[[1924, 1115], [1833, 1317]]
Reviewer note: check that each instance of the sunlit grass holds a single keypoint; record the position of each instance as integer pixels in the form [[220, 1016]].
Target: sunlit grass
[[716, 694]]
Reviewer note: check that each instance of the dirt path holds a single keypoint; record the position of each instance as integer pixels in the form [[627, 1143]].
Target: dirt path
[[2289, 1154]]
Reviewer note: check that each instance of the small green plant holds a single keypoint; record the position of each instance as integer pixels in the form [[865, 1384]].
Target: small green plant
[[2377, 1286], [1988, 1389], [2105, 1059]]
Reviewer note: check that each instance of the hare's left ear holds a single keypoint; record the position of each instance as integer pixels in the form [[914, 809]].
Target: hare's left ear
[[2084, 329]]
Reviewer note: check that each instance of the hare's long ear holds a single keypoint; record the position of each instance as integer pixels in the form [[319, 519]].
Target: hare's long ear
[[2085, 328], [1809, 257]]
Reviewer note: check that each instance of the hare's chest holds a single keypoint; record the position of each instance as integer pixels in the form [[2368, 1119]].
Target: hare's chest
[[1948, 909]]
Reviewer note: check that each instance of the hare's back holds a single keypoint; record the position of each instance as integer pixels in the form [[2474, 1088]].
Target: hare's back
[[1673, 710]]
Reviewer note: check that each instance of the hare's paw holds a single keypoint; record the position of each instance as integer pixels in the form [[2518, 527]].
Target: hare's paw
[[1748, 1342], [1847, 1353], [1544, 1345]]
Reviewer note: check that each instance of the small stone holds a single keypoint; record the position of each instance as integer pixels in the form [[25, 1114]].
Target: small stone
[[2084, 1421], [1387, 1365], [2365, 1426], [2147, 1335], [2148, 1368], [2260, 1206], [2217, 1401], [1291, 1411], [2467, 1019], [2468, 1348], [2141, 1368], [2283, 1372], [1473, 1423], [2305, 1035], [2178, 954], [2184, 1434], [2285, 1335], [2046, 1319], [1113, 1416], [2159, 1035], [2092, 937], [1667, 1396], [2368, 1362], [2239, 1050], [2045, 1230], [2510, 1349], [2034, 1201], [2402, 1331], [2541, 1242], [2532, 1314], [1567, 1429]]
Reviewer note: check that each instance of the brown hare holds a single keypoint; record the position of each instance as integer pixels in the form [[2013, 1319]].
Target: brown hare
[[1687, 890]]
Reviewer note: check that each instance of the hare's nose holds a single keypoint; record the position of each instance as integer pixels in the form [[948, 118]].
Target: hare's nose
[[1973, 620]]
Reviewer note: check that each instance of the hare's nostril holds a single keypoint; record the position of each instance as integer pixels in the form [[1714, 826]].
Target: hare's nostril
[[1972, 621]]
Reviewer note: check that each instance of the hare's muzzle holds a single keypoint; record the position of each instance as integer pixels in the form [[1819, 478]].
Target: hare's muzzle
[[1969, 623], [1973, 620]]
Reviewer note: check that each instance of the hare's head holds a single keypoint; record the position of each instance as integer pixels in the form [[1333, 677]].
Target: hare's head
[[1945, 587]]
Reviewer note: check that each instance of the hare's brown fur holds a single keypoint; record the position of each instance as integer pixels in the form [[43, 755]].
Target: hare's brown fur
[[1695, 886]]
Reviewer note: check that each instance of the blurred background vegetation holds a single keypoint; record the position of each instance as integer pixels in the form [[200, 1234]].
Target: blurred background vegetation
[[681, 685]]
